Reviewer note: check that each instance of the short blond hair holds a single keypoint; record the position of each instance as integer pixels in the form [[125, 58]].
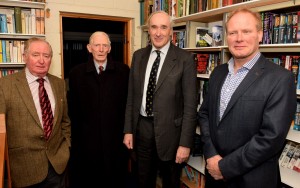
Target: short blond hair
[[256, 16]]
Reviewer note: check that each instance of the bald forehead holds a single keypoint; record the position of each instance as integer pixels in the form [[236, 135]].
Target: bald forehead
[[97, 36]]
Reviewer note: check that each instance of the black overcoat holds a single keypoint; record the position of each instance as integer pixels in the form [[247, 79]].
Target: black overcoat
[[97, 105]]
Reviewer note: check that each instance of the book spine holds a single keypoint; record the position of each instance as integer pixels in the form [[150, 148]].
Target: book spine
[[18, 20]]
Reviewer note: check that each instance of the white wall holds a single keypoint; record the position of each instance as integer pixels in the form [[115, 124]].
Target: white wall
[[118, 8]]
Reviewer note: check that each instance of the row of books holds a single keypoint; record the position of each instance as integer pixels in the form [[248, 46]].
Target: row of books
[[290, 156], [206, 62], [194, 177], [11, 51], [178, 38], [296, 124], [22, 20], [281, 28], [206, 37], [179, 8], [5, 72], [289, 62]]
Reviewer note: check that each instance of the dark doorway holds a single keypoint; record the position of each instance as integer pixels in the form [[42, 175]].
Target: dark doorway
[[76, 33]]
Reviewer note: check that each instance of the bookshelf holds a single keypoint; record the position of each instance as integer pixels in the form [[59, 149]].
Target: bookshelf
[[12, 39], [210, 17]]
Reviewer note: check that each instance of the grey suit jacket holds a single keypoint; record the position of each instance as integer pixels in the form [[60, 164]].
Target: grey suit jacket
[[29, 153], [175, 100], [254, 126]]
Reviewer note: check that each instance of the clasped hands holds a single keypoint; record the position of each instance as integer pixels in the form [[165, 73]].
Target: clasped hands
[[212, 165]]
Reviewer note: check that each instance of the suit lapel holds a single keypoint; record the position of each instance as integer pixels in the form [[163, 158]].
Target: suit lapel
[[55, 90], [167, 66], [143, 67], [25, 93], [251, 77]]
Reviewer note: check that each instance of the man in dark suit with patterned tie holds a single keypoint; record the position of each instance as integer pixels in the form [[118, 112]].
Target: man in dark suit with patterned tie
[[160, 127], [37, 158]]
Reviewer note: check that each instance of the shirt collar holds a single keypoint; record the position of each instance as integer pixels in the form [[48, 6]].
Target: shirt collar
[[163, 50], [97, 65], [31, 78], [247, 65]]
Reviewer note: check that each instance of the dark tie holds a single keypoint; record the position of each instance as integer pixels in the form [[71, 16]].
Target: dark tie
[[152, 85], [47, 115], [101, 68]]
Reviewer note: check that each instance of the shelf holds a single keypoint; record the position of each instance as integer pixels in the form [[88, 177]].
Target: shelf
[[197, 163], [294, 136], [217, 14], [204, 76], [26, 4], [19, 36], [292, 47], [290, 177], [12, 65], [206, 49]]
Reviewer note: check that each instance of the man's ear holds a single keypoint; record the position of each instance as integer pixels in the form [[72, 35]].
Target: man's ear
[[88, 46]]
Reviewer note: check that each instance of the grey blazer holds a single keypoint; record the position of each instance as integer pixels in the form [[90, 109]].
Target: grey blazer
[[175, 101], [254, 126], [29, 153]]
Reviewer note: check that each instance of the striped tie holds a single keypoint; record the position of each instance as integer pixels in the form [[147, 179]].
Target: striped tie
[[47, 115]]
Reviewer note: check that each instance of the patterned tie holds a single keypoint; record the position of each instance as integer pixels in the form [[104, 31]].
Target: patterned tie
[[101, 69], [47, 115], [152, 85]]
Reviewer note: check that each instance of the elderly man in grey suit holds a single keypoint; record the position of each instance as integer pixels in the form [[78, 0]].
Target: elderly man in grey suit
[[161, 107], [37, 158], [247, 112]]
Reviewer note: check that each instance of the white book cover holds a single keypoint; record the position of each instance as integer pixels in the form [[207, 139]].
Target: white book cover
[[33, 21]]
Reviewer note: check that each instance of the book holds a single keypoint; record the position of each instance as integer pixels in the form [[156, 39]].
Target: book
[[294, 157], [200, 33], [4, 59], [289, 27], [202, 63], [42, 18], [3, 23], [276, 18], [283, 28], [9, 12], [187, 172], [296, 125], [33, 21], [38, 21], [286, 159], [284, 152], [18, 20], [295, 27], [298, 33], [1, 53], [7, 51], [217, 35]]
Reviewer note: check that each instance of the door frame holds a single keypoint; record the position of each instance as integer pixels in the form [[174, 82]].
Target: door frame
[[127, 45]]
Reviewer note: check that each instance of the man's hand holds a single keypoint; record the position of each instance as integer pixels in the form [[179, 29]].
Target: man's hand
[[182, 154], [212, 165], [128, 141]]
